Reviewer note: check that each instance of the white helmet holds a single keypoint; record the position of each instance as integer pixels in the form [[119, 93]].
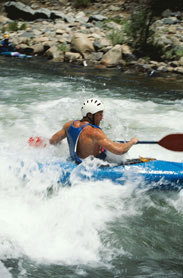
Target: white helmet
[[92, 106]]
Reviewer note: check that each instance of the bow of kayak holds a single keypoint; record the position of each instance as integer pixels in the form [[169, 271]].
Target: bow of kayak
[[159, 174], [14, 54]]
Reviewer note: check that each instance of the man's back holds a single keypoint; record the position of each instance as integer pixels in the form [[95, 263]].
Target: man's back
[[87, 144]]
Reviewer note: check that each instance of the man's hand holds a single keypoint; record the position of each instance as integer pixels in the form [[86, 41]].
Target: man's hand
[[134, 141]]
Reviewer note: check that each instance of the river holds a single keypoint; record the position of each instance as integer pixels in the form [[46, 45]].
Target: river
[[90, 229]]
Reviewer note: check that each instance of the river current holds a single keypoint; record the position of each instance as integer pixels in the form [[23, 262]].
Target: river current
[[90, 229]]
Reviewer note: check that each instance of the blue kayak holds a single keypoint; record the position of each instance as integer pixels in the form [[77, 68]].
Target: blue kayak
[[14, 54], [158, 174]]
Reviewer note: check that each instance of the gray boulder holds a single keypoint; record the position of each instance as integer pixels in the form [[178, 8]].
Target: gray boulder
[[18, 10]]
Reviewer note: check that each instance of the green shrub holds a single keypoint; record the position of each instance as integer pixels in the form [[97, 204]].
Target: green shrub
[[147, 59], [117, 37], [118, 20], [12, 26], [27, 42], [136, 28], [179, 52], [23, 26], [63, 47], [82, 3], [3, 29], [173, 54], [138, 31], [169, 54]]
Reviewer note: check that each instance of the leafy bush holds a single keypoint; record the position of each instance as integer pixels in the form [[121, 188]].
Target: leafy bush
[[179, 52], [137, 29], [12, 26], [118, 20], [3, 29], [63, 47], [169, 55], [82, 3], [23, 26], [117, 37], [173, 54]]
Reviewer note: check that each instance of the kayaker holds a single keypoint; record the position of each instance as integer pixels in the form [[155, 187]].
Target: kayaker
[[6, 45], [85, 137]]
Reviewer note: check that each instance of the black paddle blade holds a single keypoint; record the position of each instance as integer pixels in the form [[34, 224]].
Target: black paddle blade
[[172, 142]]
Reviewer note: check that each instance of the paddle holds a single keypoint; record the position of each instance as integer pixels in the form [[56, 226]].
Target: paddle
[[172, 142]]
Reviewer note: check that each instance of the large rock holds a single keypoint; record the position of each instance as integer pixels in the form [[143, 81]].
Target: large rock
[[72, 57], [39, 49], [57, 14], [80, 17], [42, 13], [52, 52], [113, 56], [4, 19], [17, 10], [96, 17], [24, 48], [82, 44], [127, 53], [180, 61]]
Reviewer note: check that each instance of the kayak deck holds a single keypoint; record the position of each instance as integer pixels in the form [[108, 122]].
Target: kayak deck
[[159, 174], [14, 54]]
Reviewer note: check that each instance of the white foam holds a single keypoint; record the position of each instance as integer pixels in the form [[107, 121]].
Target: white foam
[[43, 220]]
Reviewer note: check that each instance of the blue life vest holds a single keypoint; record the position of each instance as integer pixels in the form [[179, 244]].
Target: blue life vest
[[6, 46], [73, 134]]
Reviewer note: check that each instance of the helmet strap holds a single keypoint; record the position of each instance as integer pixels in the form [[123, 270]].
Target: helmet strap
[[92, 119]]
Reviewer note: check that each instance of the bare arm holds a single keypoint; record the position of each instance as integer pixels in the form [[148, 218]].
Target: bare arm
[[60, 135], [113, 147]]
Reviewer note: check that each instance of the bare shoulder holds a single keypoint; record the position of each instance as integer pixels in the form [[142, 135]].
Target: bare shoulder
[[94, 132], [61, 134], [67, 125]]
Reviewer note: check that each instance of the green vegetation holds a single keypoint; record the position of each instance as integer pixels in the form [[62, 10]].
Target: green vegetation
[[135, 31], [179, 52], [173, 54], [13, 26], [138, 30], [169, 54], [3, 29], [119, 20], [82, 3], [23, 26], [147, 59], [27, 42], [117, 37], [63, 47]]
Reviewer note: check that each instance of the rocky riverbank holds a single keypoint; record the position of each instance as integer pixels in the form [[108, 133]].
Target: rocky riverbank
[[61, 33]]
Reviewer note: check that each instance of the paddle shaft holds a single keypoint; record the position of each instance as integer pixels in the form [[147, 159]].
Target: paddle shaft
[[172, 142], [142, 142]]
